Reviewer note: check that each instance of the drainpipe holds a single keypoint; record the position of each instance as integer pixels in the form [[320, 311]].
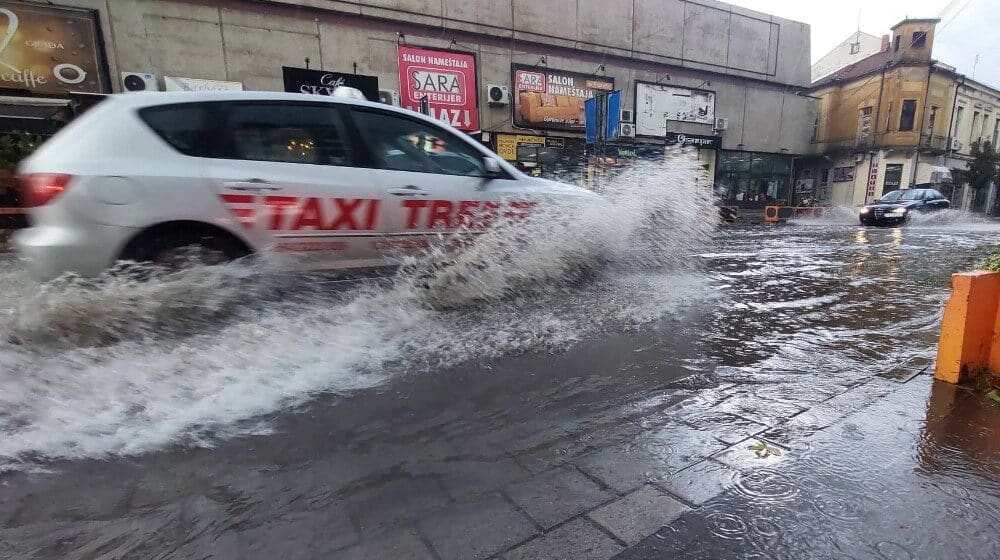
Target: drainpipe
[[951, 124], [878, 118], [916, 150]]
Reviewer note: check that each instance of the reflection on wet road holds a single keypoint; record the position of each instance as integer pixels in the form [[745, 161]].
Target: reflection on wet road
[[641, 399]]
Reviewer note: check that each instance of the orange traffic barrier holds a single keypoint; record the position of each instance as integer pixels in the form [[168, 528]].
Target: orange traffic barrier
[[970, 329], [778, 213]]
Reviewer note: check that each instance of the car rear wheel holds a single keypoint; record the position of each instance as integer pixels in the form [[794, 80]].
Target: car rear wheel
[[175, 250]]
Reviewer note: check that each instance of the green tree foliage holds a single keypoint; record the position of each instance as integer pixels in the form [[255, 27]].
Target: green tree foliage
[[984, 168], [16, 146]]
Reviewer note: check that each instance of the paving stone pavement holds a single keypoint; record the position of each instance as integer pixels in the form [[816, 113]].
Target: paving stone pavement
[[591, 494]]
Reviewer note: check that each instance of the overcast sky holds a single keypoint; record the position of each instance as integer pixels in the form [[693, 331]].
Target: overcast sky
[[975, 28]]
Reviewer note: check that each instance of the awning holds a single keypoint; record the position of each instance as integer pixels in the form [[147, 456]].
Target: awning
[[940, 174]]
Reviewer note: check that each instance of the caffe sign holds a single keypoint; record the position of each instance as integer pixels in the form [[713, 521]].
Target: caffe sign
[[50, 50]]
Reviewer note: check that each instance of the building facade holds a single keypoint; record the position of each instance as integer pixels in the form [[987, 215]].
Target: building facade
[[511, 73], [852, 49], [897, 119]]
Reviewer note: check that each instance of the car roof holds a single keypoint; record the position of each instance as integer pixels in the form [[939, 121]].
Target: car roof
[[142, 99]]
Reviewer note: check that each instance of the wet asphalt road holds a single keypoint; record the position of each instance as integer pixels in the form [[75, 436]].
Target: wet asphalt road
[[507, 455]]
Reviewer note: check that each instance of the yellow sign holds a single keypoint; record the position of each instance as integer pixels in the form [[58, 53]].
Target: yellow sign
[[507, 144]]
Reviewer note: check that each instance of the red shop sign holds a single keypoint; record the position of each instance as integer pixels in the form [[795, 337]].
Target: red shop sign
[[447, 79]]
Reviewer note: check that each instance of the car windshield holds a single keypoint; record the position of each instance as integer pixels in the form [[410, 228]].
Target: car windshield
[[915, 194], [891, 197]]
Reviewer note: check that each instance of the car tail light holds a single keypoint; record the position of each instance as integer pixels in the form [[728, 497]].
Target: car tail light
[[38, 189]]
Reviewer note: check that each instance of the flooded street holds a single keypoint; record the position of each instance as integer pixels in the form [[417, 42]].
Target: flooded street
[[241, 414]]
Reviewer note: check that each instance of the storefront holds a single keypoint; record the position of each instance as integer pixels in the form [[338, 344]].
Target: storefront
[[541, 156], [750, 179], [607, 161], [52, 68]]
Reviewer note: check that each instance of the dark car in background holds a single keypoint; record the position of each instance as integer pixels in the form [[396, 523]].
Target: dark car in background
[[895, 208]]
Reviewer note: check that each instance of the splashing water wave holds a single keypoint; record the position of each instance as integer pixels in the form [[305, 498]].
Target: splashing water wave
[[122, 366]]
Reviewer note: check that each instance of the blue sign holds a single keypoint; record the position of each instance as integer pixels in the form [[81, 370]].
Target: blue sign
[[590, 119], [613, 114]]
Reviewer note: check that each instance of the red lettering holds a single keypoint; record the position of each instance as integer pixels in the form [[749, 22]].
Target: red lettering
[[276, 208], [345, 209], [311, 215], [372, 214], [440, 212], [412, 210], [489, 213], [466, 212], [519, 209]]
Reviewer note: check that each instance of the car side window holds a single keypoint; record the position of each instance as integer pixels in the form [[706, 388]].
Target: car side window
[[403, 144], [288, 132], [188, 127]]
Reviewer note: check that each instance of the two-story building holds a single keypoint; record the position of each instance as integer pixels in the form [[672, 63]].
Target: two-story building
[[898, 119], [883, 122]]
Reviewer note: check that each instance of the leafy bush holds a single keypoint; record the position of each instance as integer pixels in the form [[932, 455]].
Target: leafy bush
[[991, 262], [16, 146]]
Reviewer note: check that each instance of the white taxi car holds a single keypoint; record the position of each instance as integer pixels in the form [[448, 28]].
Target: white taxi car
[[143, 176]]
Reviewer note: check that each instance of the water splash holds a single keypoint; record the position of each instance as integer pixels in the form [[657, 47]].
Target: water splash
[[120, 366]]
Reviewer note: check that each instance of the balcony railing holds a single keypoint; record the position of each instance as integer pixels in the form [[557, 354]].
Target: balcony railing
[[935, 142]]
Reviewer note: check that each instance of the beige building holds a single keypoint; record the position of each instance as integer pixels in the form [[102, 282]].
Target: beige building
[[852, 49], [896, 119]]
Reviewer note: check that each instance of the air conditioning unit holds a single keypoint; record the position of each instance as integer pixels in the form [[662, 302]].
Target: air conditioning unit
[[721, 124], [626, 130], [498, 95], [858, 158], [388, 96], [139, 81], [956, 144], [627, 116]]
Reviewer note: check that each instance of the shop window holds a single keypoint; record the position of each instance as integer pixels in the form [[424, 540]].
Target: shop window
[[404, 144], [907, 115], [919, 39], [290, 133]]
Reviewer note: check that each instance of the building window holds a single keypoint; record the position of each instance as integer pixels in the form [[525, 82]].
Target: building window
[[815, 133], [908, 114], [824, 177], [975, 125], [855, 48], [958, 121], [895, 43], [919, 39], [996, 129]]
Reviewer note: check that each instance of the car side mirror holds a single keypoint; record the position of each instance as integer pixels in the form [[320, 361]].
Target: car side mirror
[[492, 168]]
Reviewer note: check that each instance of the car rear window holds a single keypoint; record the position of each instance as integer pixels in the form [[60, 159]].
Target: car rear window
[[188, 127]]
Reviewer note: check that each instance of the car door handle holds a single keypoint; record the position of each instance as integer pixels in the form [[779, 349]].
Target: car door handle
[[251, 185], [408, 190]]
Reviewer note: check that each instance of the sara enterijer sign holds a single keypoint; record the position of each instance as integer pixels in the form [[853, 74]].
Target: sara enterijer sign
[[443, 80], [321, 82]]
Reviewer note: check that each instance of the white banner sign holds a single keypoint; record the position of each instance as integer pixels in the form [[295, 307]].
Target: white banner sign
[[656, 104], [171, 83]]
